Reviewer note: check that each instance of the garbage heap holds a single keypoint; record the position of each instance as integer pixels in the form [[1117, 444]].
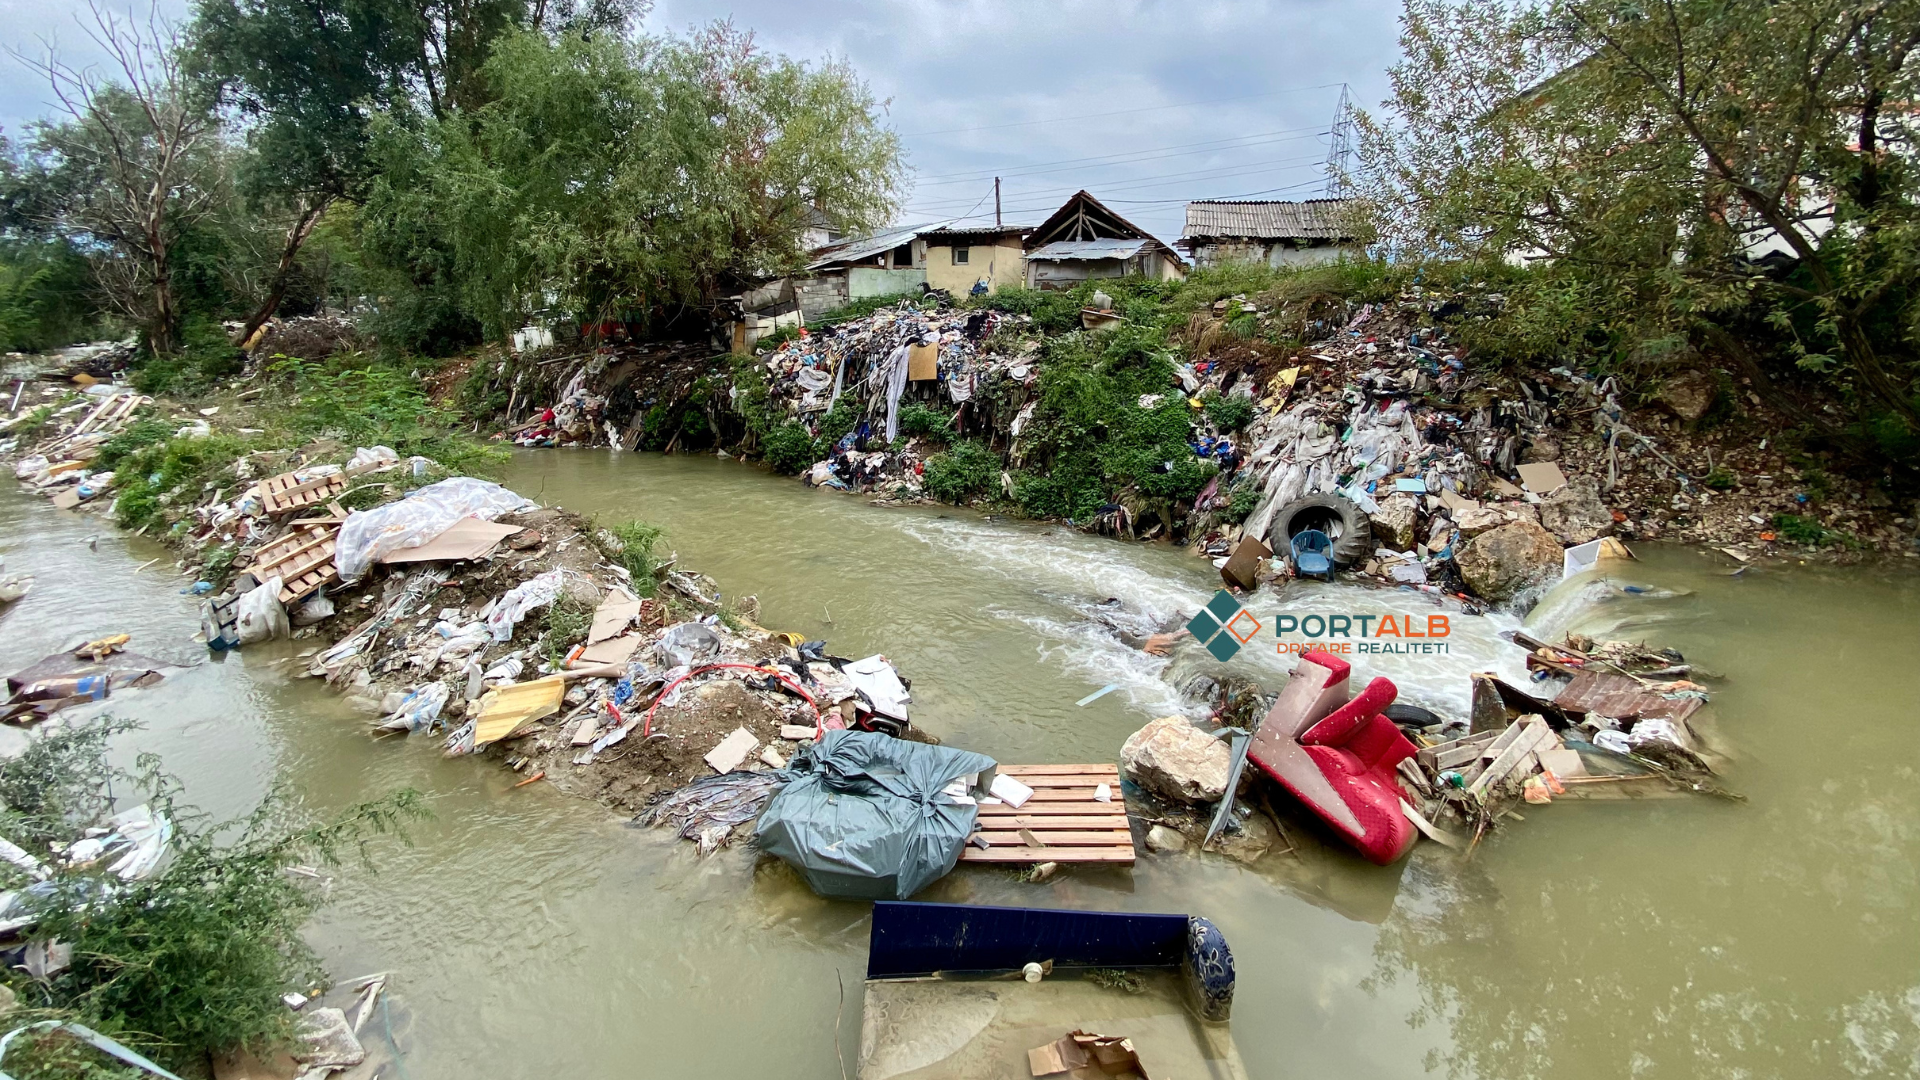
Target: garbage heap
[[875, 367], [650, 395], [1599, 720]]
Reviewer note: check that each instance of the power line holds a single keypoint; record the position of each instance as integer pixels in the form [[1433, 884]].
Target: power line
[[1122, 157], [1248, 168], [1120, 112]]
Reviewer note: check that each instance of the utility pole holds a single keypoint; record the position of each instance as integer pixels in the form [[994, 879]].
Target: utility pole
[[996, 202]]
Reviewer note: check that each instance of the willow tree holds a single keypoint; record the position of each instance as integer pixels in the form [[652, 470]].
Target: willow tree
[[611, 175], [1726, 171]]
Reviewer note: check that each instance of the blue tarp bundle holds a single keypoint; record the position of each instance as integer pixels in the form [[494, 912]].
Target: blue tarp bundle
[[864, 817]]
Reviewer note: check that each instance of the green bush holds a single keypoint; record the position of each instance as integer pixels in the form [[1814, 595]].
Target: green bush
[[631, 544], [1805, 530], [148, 478], [192, 960], [142, 433], [925, 422], [966, 472], [1228, 413], [1240, 504], [204, 360], [788, 449], [1091, 438]]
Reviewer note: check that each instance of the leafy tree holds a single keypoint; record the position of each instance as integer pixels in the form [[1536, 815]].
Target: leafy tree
[[133, 164], [1737, 174], [307, 77], [621, 176]]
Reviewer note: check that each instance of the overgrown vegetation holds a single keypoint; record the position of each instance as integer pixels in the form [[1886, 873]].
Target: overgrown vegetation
[[962, 474], [632, 546], [1697, 185], [1094, 435], [193, 959]]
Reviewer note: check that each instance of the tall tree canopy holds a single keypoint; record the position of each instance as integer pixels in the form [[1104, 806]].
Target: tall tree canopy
[[1736, 173], [616, 176]]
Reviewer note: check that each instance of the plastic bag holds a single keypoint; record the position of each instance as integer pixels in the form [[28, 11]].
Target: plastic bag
[[316, 608], [865, 818], [522, 598], [687, 644], [260, 616], [419, 711], [367, 459], [367, 535]]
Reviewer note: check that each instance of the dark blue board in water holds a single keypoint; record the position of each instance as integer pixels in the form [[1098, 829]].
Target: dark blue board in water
[[911, 940], [916, 940]]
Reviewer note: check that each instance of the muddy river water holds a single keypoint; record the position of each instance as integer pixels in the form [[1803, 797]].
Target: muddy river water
[[533, 935]]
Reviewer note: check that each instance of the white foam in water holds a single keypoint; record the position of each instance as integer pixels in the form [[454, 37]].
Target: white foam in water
[[1072, 573]]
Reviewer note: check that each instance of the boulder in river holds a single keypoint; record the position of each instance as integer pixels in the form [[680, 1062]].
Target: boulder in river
[[1500, 563], [1575, 513], [1394, 523], [1173, 759]]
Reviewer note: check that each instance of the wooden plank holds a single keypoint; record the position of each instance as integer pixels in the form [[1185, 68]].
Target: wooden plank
[[1099, 838], [1077, 793], [1056, 821], [1116, 808], [1116, 856], [1083, 783], [1058, 770], [1535, 732], [1456, 751]]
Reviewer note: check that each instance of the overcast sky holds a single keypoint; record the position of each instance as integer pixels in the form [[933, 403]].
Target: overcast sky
[[1146, 104]]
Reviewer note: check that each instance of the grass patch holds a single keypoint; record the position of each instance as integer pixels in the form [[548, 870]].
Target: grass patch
[[1119, 979], [565, 621], [1805, 530], [32, 423], [927, 423], [1228, 413], [632, 545]]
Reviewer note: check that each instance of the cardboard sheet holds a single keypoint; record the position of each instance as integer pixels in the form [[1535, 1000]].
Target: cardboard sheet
[[613, 615], [469, 538], [1542, 477], [923, 362], [616, 650], [507, 707]]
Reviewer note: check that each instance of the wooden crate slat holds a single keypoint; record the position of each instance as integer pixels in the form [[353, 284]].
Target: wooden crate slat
[[1117, 856], [1056, 821], [1092, 838], [1087, 783], [1059, 770]]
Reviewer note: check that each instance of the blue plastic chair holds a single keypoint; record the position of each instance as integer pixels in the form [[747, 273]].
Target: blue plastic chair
[[1311, 550]]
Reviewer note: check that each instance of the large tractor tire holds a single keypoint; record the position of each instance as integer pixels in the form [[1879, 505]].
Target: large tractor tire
[[1337, 516]]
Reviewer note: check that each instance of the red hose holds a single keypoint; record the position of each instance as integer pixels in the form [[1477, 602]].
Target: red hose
[[646, 727]]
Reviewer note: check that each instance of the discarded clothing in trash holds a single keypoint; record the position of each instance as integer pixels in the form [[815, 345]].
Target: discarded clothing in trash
[[865, 818]]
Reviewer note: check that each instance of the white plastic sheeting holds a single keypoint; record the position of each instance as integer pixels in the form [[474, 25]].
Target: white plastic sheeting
[[416, 519], [522, 598]]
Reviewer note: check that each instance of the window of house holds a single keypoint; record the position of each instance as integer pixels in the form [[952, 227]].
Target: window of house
[[959, 256]]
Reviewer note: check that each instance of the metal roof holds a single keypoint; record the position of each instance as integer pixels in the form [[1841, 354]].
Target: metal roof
[[981, 230], [1313, 219], [866, 247], [1064, 250]]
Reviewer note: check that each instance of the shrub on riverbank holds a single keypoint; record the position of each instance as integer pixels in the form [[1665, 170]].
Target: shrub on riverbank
[[192, 960]]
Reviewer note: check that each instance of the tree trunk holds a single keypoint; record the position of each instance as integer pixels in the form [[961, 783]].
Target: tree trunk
[[164, 336], [282, 276]]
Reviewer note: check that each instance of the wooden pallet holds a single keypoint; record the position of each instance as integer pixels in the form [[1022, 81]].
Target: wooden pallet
[[279, 494], [303, 559], [1063, 816]]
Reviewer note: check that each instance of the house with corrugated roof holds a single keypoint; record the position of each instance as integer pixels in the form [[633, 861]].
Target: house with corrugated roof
[[1304, 233], [1085, 240]]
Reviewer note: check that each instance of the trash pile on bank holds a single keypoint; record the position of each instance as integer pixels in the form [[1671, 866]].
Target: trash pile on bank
[[1606, 719]]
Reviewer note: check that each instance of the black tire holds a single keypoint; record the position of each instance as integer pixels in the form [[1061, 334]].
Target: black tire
[[1343, 522]]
